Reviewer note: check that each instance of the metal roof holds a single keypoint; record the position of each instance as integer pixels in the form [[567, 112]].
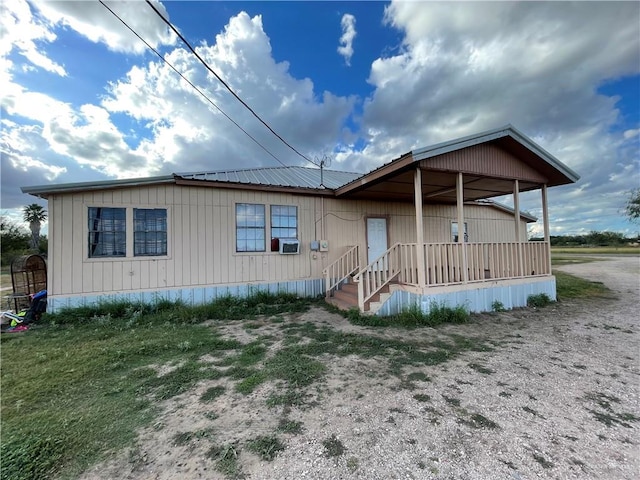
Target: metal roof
[[296, 177]]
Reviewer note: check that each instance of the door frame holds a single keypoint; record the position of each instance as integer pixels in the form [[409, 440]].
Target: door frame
[[387, 219]]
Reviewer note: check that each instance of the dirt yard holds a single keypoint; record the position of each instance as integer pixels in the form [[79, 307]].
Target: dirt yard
[[550, 393]]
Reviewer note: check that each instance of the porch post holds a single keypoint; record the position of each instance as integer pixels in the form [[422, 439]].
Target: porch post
[[459, 206], [417, 191], [545, 221], [516, 213]]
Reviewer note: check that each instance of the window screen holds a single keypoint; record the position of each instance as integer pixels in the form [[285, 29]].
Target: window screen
[[107, 232], [149, 231], [250, 227], [284, 221]]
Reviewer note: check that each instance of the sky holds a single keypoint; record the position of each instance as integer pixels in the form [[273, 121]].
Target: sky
[[84, 99]]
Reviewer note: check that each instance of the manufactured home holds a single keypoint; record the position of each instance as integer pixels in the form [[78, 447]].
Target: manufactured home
[[417, 230]]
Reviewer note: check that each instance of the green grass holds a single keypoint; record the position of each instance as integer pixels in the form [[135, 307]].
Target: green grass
[[572, 260], [569, 286], [413, 316], [266, 447], [91, 380]]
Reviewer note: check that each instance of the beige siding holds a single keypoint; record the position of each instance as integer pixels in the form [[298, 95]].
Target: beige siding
[[201, 237]]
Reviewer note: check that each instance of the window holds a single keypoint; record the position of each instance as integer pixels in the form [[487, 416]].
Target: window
[[284, 222], [250, 228], [107, 232], [454, 231], [149, 231]]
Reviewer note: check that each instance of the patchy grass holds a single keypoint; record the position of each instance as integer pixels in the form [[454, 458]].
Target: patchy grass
[[290, 426], [421, 397], [226, 460], [542, 461], [570, 286], [477, 420], [333, 447], [571, 260], [212, 393], [92, 380], [266, 447]]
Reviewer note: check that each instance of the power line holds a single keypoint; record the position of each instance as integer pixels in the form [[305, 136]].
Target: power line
[[184, 40], [190, 83]]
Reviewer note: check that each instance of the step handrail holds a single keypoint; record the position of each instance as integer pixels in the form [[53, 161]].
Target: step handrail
[[343, 267], [375, 276]]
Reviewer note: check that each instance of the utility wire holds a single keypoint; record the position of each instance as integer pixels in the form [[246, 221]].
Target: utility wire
[[190, 83], [184, 40]]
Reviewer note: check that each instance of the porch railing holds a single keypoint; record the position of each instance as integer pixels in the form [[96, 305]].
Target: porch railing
[[372, 278], [339, 270], [445, 262]]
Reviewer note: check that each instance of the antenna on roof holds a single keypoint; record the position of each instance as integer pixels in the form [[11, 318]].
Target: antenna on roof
[[325, 161]]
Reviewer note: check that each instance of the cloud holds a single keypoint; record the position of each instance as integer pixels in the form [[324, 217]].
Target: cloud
[[189, 132], [96, 23], [22, 32], [175, 128], [348, 24], [467, 67]]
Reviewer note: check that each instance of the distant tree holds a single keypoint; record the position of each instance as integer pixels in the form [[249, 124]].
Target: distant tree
[[34, 215], [14, 240], [632, 209], [605, 239]]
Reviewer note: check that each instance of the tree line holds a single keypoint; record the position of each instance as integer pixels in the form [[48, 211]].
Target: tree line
[[17, 241], [591, 239]]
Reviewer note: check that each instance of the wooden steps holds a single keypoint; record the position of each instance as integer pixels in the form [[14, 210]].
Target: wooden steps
[[346, 298]]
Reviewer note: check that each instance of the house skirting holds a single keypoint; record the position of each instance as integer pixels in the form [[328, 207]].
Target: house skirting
[[190, 295], [477, 297]]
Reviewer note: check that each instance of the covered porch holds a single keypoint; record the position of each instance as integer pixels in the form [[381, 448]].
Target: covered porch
[[471, 169]]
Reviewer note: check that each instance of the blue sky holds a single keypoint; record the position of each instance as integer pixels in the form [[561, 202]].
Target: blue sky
[[84, 99]]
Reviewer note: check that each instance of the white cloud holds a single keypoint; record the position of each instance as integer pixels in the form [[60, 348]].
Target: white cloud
[[348, 24], [467, 67], [97, 24], [21, 31], [188, 131]]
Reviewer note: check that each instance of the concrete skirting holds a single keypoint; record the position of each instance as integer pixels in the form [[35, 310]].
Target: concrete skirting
[[477, 297], [190, 295]]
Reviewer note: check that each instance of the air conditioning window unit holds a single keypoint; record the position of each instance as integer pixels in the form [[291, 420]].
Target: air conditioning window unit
[[289, 246]]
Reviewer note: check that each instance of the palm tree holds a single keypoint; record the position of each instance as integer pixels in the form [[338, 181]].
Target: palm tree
[[34, 214]]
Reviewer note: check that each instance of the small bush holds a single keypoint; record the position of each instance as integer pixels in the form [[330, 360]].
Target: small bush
[[539, 300], [498, 306], [333, 447]]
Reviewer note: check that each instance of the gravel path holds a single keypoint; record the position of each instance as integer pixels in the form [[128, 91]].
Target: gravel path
[[556, 397]]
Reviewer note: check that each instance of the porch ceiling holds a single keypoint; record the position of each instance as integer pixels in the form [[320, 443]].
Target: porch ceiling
[[438, 187], [489, 162]]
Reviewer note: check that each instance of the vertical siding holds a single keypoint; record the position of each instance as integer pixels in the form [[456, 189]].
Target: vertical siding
[[201, 237]]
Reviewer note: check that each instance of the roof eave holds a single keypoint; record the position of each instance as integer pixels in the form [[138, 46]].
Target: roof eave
[[43, 191]]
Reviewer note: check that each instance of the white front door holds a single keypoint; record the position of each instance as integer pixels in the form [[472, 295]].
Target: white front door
[[376, 238]]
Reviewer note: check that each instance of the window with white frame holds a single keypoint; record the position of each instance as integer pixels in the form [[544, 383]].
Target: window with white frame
[[149, 231], [454, 232], [250, 227], [107, 232], [284, 221]]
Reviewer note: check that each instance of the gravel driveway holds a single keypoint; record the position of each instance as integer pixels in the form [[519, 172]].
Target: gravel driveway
[[556, 396]]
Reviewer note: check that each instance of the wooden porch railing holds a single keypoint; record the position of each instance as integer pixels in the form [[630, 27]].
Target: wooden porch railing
[[444, 265], [372, 278], [339, 270], [444, 262]]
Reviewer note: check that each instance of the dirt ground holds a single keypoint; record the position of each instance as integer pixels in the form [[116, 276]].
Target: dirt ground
[[558, 397]]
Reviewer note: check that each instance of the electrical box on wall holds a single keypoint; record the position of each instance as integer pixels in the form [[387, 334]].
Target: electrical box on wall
[[314, 246], [324, 245]]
